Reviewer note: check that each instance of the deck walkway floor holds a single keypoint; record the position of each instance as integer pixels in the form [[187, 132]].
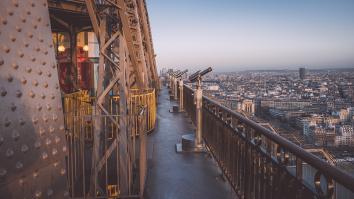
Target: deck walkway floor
[[174, 175]]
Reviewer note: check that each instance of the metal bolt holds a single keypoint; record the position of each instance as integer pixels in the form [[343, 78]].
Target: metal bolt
[[18, 93], [3, 92]]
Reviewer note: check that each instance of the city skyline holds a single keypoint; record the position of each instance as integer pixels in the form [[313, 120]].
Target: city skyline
[[239, 35]]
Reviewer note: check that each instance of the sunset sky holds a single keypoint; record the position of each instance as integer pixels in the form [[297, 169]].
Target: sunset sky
[[253, 34]]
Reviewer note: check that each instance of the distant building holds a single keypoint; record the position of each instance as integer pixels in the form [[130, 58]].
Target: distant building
[[302, 73], [345, 136]]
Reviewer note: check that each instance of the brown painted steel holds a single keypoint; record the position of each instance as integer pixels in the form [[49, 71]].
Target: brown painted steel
[[32, 135]]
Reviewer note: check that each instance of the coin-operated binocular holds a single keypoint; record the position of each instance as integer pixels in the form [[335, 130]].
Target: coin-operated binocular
[[194, 142], [178, 91], [170, 80]]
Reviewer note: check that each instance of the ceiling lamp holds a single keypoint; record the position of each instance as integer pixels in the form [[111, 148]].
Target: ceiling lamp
[[85, 48], [61, 48]]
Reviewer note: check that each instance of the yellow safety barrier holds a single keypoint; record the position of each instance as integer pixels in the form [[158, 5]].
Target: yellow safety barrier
[[143, 98], [75, 105]]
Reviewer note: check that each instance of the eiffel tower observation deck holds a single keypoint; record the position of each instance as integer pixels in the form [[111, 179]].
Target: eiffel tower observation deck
[[85, 114]]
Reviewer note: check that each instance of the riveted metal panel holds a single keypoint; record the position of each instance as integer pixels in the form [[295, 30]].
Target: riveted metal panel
[[32, 134]]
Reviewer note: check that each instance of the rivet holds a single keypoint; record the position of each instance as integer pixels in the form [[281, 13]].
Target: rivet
[[23, 80], [43, 96], [11, 13], [6, 49], [24, 148], [35, 173], [51, 129], [23, 20], [35, 83], [49, 107], [62, 171], [53, 96], [50, 45], [1, 62], [7, 122], [57, 139], [18, 29], [13, 107], [45, 119], [49, 74], [15, 66], [18, 93], [3, 92], [28, 12], [40, 72], [28, 69], [37, 144], [55, 164], [53, 66], [47, 26], [21, 54], [38, 49], [55, 117], [22, 121], [30, 35], [41, 131], [45, 85], [33, 5], [26, 45], [32, 94], [39, 107], [33, 59], [64, 149], [54, 151], [2, 140], [44, 4], [44, 155], [15, 3], [4, 21], [44, 63], [15, 135], [19, 165], [9, 153], [39, 19], [45, 52], [10, 78], [3, 172], [48, 141], [35, 120], [35, 26], [13, 39], [41, 40]]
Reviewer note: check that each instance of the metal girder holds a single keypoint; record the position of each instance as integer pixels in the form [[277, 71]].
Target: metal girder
[[148, 38], [32, 133], [136, 51]]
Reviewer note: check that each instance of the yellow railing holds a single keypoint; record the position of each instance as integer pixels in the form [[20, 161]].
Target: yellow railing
[[75, 105], [144, 98], [80, 104]]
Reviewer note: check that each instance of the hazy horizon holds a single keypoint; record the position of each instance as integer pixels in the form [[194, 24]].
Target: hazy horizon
[[253, 34]]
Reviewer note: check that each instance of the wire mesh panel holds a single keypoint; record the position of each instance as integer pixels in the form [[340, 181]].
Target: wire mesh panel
[[32, 134]]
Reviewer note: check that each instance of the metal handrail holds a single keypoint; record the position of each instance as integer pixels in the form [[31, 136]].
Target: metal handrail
[[338, 175]]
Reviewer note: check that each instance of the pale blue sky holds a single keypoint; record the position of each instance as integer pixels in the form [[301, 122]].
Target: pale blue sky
[[252, 34]]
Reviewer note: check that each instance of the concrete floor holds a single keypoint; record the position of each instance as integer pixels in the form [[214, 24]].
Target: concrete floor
[[175, 175]]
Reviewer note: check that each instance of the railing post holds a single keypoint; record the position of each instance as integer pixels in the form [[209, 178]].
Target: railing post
[[181, 108], [198, 105], [175, 88]]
